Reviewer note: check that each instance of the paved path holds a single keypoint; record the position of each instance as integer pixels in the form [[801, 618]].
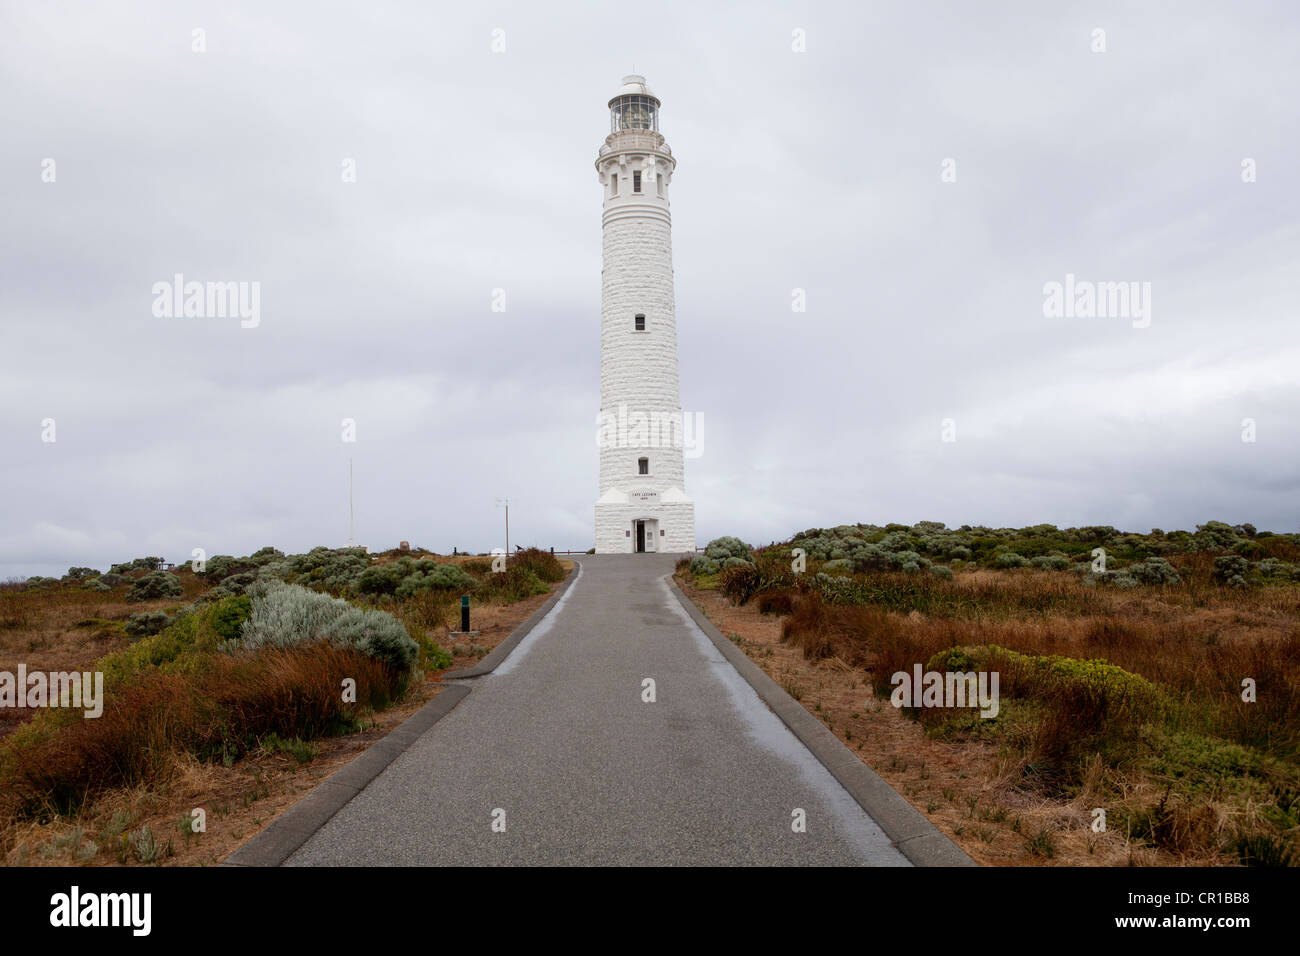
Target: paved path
[[559, 738]]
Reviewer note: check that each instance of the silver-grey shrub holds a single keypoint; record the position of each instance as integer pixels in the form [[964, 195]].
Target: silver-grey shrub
[[719, 549], [285, 615]]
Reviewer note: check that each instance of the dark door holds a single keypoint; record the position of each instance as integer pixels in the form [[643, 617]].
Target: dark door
[[640, 537]]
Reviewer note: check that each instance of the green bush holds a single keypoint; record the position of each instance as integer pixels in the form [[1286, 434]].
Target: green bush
[[181, 642], [513, 584], [1231, 569], [719, 549], [81, 573], [155, 585], [327, 569], [96, 584], [382, 578], [227, 617], [545, 565], [1009, 559], [1275, 569], [1154, 571], [139, 564], [146, 623], [702, 564]]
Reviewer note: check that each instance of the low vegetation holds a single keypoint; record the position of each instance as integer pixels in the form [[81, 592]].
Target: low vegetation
[[233, 658], [1156, 675]]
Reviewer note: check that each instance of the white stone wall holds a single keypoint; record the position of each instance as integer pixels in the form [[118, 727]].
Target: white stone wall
[[640, 414], [616, 533]]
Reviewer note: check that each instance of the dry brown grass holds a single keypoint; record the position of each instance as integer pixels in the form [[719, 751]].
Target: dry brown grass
[[123, 771], [1025, 793]]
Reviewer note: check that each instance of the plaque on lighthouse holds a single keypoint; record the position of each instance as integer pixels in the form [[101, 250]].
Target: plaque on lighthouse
[[643, 504]]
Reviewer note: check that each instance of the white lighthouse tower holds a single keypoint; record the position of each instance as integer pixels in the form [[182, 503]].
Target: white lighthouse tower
[[643, 504]]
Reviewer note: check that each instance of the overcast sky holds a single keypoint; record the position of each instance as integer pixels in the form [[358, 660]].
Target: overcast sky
[[821, 170]]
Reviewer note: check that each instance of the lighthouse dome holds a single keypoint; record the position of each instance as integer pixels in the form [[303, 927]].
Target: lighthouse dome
[[634, 84]]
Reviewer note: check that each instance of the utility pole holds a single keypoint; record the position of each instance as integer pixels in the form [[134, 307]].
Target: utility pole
[[506, 502], [350, 512]]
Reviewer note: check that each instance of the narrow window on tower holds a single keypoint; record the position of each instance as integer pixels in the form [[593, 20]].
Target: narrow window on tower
[[640, 323], [636, 180], [659, 184], [643, 466], [613, 184]]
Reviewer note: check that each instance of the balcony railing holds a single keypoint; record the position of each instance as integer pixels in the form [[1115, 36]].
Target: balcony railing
[[630, 140]]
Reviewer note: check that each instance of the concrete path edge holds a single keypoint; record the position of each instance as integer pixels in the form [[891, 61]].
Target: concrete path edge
[[499, 653], [289, 831], [916, 837]]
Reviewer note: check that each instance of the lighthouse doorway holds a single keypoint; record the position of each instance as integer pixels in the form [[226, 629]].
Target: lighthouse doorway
[[644, 532]]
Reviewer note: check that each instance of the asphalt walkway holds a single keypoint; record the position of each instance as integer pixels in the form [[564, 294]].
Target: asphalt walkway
[[558, 746]]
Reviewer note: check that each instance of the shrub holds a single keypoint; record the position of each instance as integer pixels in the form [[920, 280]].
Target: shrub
[[776, 602], [382, 579], [139, 564], [81, 573], [96, 584], [1051, 562], [1214, 535], [227, 617], [326, 569], [451, 577], [702, 564], [719, 549], [545, 565], [146, 623], [740, 581], [182, 642], [428, 576], [155, 585], [375, 634], [940, 571], [1153, 571], [1277, 570], [1231, 569], [1009, 559], [222, 709], [513, 584], [113, 580], [284, 615]]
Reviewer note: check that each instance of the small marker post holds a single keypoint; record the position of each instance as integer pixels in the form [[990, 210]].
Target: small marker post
[[464, 613]]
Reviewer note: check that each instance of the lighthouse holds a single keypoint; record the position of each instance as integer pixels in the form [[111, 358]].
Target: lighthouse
[[643, 506]]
